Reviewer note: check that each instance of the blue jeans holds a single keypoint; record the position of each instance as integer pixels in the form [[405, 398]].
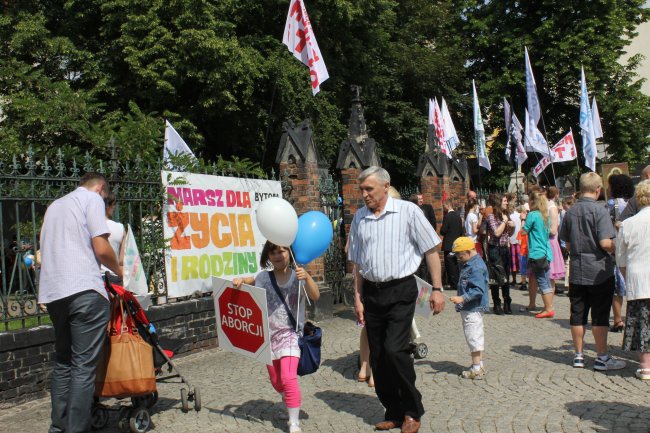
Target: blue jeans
[[543, 279], [79, 328]]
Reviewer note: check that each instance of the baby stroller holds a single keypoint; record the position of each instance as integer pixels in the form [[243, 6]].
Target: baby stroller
[[136, 418], [418, 350]]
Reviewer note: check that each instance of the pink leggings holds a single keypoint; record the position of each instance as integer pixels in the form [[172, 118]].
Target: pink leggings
[[284, 378]]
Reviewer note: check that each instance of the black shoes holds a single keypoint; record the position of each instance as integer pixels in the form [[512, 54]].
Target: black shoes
[[507, 307], [498, 310]]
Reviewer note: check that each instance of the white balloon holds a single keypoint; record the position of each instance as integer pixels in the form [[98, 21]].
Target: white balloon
[[277, 220]]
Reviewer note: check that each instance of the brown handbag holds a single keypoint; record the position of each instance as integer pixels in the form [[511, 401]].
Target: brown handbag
[[125, 367]]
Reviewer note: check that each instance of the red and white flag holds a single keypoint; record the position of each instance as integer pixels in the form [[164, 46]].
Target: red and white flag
[[300, 38], [439, 124], [564, 150]]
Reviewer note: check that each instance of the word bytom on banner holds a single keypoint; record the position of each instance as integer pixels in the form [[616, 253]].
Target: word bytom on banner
[[242, 320], [211, 227]]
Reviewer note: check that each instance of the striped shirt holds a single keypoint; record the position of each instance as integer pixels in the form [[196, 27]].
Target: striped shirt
[[68, 261], [392, 245]]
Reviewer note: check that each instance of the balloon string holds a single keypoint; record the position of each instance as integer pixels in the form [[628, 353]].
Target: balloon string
[[301, 286]]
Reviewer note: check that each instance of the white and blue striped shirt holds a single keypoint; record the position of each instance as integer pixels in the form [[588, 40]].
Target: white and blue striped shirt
[[69, 264], [392, 245]]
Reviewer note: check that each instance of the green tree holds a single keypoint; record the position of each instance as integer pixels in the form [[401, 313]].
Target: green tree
[[561, 37]]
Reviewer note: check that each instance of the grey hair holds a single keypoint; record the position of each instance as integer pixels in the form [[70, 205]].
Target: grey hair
[[380, 173]]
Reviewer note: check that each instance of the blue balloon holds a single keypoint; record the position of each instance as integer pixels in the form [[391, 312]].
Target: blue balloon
[[313, 238], [28, 259]]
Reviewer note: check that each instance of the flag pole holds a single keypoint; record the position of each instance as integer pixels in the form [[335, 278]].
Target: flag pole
[[577, 163], [541, 115], [538, 161]]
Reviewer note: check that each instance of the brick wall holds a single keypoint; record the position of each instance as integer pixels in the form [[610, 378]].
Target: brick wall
[[27, 356]]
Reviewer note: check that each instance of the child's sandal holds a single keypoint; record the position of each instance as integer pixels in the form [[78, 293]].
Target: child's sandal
[[643, 373]]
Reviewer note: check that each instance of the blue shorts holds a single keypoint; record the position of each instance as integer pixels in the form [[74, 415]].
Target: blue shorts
[[543, 279], [523, 265]]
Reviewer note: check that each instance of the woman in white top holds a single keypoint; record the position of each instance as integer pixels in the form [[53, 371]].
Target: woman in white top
[[514, 242], [473, 219], [633, 256], [116, 238]]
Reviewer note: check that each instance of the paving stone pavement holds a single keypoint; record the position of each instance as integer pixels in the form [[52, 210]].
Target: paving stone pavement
[[530, 385]]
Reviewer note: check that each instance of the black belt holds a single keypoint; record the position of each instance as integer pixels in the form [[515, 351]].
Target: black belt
[[384, 284]]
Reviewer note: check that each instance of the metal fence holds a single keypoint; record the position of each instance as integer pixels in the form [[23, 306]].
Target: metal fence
[[30, 182], [335, 256]]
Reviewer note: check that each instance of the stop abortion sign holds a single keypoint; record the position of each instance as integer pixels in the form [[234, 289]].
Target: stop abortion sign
[[242, 320]]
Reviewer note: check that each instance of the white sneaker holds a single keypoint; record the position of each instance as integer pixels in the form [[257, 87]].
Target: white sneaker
[[579, 361], [609, 364], [294, 427]]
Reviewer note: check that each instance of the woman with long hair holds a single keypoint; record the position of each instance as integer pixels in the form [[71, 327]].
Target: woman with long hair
[[499, 230], [538, 227], [473, 219], [557, 264]]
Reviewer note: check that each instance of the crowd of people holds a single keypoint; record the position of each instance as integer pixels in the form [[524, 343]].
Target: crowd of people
[[594, 247], [598, 247]]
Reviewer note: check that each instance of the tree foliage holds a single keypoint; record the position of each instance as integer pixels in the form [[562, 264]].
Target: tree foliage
[[74, 73]]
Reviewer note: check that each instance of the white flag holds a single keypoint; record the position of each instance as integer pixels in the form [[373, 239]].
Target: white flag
[[174, 144], [430, 118], [479, 133], [533, 106], [299, 37], [134, 278], [450, 129], [595, 118], [587, 125], [534, 140]]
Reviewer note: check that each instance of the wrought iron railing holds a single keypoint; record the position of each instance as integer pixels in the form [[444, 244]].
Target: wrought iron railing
[[29, 183], [335, 256]]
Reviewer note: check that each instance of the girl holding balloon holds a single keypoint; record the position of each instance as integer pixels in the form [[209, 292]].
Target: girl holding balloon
[[284, 339]]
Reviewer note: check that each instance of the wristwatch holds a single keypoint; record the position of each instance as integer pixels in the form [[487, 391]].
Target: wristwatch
[[437, 289]]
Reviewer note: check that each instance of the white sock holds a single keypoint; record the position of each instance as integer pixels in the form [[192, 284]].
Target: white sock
[[604, 357], [481, 364], [476, 367], [294, 415]]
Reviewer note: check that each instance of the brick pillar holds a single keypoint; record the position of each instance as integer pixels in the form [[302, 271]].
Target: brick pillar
[[431, 188], [304, 178], [352, 200]]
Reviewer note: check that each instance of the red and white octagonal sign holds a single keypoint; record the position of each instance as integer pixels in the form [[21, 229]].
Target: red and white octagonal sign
[[242, 320]]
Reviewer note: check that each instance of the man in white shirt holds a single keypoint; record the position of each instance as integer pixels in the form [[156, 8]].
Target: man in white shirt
[[74, 241], [388, 239]]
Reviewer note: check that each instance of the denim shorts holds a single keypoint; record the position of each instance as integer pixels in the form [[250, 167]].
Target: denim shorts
[[543, 278]]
